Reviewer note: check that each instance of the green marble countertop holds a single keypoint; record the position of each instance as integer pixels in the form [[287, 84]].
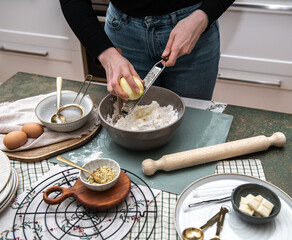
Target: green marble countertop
[[247, 122]]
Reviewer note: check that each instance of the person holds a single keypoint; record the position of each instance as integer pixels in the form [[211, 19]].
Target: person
[[185, 32]]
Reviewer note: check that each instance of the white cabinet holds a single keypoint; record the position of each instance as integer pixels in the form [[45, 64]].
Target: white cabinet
[[256, 55], [35, 38]]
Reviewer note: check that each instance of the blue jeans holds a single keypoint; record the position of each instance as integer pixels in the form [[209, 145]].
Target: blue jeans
[[143, 39]]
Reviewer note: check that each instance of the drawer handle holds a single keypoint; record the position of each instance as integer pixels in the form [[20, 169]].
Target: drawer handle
[[39, 52], [101, 19], [276, 84], [264, 6]]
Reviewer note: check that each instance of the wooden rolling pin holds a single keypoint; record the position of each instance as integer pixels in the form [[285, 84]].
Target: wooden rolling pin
[[213, 153]]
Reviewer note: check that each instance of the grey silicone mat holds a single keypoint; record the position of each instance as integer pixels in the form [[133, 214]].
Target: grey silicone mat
[[199, 128]]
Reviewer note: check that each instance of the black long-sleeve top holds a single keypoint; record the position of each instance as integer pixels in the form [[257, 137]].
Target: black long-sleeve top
[[83, 21]]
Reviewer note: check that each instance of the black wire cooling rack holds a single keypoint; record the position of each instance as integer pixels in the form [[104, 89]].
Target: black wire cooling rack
[[34, 219]]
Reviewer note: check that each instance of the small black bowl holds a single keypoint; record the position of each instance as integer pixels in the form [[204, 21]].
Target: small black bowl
[[255, 189]]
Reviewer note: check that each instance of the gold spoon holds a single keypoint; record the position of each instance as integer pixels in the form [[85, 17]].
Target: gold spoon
[[74, 105], [220, 222], [58, 117], [197, 233], [64, 160]]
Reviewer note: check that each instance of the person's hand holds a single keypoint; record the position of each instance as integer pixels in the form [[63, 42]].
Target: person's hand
[[184, 36], [116, 67]]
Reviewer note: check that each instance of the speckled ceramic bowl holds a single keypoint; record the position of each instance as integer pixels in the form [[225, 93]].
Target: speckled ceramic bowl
[[255, 189], [143, 140], [94, 164], [48, 107]]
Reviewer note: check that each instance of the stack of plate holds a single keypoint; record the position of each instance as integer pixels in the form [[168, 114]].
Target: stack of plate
[[8, 181]]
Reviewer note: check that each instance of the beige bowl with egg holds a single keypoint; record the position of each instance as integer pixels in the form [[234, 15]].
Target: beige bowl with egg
[[143, 140], [93, 165]]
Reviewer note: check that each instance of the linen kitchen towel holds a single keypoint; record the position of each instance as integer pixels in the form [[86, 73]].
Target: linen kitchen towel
[[15, 114]]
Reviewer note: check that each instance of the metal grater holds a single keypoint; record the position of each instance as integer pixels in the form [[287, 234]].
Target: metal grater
[[151, 76]]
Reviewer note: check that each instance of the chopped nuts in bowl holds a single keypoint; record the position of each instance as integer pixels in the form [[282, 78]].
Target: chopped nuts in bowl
[[106, 170], [103, 174]]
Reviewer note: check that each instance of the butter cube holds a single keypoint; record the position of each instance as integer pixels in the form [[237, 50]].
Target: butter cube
[[246, 199], [243, 200], [253, 203], [245, 209], [263, 211], [259, 198], [267, 204], [243, 204], [257, 206], [261, 206]]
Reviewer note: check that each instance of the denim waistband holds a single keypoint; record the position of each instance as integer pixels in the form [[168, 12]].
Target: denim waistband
[[156, 20]]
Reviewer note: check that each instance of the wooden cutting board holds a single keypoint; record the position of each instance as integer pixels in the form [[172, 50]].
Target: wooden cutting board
[[92, 199], [42, 153]]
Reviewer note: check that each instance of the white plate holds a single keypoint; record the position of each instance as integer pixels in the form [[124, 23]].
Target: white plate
[[12, 193], [234, 228], [5, 170], [6, 190]]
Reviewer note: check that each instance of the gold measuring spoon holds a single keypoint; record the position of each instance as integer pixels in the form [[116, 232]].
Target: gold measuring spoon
[[75, 104], [64, 160], [58, 117], [220, 222], [197, 233], [69, 106]]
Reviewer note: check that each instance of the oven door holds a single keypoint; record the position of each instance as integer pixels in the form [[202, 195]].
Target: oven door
[[90, 67]]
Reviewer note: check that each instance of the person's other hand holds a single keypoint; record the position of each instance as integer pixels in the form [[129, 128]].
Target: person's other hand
[[116, 67], [184, 36]]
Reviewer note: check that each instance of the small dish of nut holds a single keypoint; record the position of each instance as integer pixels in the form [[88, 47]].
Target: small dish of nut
[[106, 171]]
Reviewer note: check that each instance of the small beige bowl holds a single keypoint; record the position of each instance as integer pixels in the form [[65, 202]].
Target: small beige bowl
[[94, 164], [48, 107]]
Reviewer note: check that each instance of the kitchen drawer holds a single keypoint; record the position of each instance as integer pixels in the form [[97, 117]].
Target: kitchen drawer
[[255, 68], [256, 40], [39, 23], [253, 95], [40, 60], [68, 42], [35, 38]]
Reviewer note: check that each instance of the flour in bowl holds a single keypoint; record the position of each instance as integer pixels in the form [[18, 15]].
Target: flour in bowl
[[146, 117]]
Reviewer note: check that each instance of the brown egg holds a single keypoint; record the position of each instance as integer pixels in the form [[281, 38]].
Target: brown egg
[[33, 130], [15, 139]]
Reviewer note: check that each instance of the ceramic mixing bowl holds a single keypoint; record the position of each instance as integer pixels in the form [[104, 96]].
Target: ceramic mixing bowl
[[48, 107], [143, 140]]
